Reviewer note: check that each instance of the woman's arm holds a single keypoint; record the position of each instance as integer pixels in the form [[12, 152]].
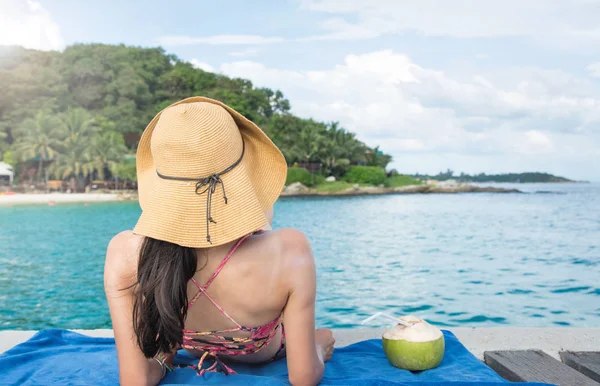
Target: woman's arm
[[119, 274], [304, 356]]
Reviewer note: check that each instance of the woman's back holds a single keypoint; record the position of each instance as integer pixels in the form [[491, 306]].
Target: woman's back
[[208, 178], [252, 286], [249, 286]]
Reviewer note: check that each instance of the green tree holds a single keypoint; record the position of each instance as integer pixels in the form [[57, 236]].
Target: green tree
[[3, 142], [8, 158], [122, 88], [376, 157], [106, 151], [340, 150], [38, 138], [77, 128], [126, 170], [71, 163], [308, 142], [74, 156], [283, 129]]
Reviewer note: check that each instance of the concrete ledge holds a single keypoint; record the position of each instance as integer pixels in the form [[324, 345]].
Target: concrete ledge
[[480, 339], [11, 338], [477, 340]]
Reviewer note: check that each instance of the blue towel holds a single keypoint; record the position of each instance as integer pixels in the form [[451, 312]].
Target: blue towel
[[64, 357]]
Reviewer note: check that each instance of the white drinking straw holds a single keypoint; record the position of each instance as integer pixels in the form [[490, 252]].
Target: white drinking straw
[[383, 314]]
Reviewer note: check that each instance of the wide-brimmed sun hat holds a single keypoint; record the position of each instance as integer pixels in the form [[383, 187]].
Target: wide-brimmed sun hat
[[206, 175]]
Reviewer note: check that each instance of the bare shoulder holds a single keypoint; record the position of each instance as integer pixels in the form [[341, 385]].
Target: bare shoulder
[[122, 258], [291, 238], [294, 252]]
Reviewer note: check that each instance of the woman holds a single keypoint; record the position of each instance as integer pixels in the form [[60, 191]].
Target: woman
[[202, 270]]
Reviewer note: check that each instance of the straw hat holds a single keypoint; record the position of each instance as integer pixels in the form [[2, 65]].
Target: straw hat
[[206, 175]]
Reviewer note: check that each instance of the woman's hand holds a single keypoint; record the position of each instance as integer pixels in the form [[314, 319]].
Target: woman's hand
[[164, 362], [324, 341], [169, 357]]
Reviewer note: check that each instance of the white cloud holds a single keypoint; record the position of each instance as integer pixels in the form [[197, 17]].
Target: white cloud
[[247, 52], [28, 24], [594, 69], [341, 30], [202, 65], [218, 40], [509, 120], [534, 142], [564, 23]]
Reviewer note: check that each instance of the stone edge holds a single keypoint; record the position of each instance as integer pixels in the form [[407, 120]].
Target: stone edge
[[477, 339]]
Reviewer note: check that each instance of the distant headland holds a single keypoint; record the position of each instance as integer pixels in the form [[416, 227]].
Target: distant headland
[[527, 177]]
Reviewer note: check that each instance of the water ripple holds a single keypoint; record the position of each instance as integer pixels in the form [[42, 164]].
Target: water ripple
[[570, 289], [477, 260]]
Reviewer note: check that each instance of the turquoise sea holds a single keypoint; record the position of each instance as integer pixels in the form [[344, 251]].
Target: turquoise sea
[[472, 259]]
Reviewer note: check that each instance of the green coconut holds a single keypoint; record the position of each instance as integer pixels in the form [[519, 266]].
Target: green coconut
[[415, 348]]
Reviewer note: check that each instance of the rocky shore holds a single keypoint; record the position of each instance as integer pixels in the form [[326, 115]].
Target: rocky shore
[[297, 189], [293, 190]]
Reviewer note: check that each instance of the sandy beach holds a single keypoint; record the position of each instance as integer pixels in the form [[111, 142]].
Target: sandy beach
[[58, 198], [291, 191]]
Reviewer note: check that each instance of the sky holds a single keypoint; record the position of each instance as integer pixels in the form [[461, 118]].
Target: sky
[[470, 85]]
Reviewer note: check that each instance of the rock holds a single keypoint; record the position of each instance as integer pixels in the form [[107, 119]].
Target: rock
[[448, 183], [330, 179], [459, 188], [296, 188], [413, 189], [374, 190]]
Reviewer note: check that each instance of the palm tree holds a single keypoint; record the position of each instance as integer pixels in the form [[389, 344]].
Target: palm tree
[[3, 144], [77, 127], [73, 162], [340, 150], [73, 159], [376, 157], [38, 137], [309, 142], [106, 150], [282, 129]]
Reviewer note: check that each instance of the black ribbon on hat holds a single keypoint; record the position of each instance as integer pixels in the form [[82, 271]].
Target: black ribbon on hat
[[208, 185]]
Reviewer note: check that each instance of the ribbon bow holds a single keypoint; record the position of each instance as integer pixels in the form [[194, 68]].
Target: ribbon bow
[[210, 185]]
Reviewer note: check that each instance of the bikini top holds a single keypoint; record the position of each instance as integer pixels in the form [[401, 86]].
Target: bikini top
[[214, 343]]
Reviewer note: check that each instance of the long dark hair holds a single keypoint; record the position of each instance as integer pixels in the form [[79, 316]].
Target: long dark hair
[[161, 302]]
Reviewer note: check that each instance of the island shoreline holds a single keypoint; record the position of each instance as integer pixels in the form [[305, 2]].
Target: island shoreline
[[302, 191], [88, 198]]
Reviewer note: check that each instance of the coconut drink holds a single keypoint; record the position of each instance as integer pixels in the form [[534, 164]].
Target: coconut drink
[[413, 344]]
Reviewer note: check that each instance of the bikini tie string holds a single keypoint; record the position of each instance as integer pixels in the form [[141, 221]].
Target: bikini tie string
[[208, 185], [217, 366]]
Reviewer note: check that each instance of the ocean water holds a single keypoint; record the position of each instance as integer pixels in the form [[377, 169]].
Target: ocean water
[[528, 259]]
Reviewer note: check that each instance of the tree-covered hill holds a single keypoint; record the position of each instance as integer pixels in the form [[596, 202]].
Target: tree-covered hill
[[530, 177], [79, 112]]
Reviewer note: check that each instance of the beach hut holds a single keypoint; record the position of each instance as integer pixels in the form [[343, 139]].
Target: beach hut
[[6, 174]]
